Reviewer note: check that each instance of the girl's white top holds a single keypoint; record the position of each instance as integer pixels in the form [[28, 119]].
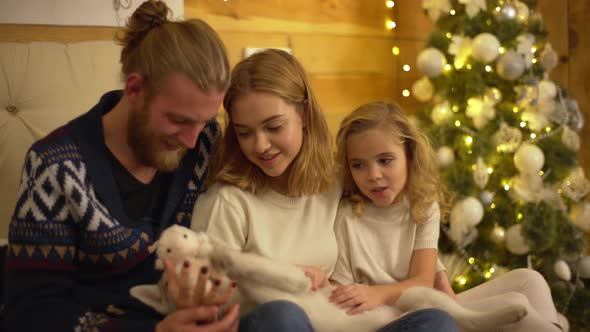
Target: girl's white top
[[376, 248]]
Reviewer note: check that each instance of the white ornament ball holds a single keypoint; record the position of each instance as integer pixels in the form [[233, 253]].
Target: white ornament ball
[[522, 10], [510, 65], [469, 212], [580, 214], [445, 156], [547, 90], [515, 242], [563, 322], [423, 89], [529, 158], [562, 270], [548, 57], [486, 197], [570, 139], [498, 234], [485, 47], [431, 62], [584, 267]]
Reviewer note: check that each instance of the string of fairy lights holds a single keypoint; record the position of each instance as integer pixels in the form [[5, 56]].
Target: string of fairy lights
[[470, 136], [405, 92]]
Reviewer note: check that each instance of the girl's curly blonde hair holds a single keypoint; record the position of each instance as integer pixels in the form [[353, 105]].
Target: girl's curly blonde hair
[[423, 186]]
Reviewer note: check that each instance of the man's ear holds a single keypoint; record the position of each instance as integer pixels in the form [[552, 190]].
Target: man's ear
[[135, 89], [151, 296]]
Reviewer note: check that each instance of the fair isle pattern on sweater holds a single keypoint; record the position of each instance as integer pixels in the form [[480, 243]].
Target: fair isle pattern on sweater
[[59, 222]]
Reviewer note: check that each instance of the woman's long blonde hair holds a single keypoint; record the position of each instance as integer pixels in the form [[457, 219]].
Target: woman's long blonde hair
[[423, 186], [278, 73]]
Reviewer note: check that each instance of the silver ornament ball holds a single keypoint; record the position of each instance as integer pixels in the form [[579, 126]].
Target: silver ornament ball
[[507, 12]]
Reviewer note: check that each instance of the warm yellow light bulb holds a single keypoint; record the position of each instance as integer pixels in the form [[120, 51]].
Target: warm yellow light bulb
[[471, 260], [547, 129], [390, 4], [468, 140], [502, 50], [522, 124], [406, 93], [462, 281], [506, 187], [533, 135], [449, 35], [487, 275], [452, 12], [493, 206], [447, 67], [515, 109], [533, 49], [541, 173], [390, 24], [395, 50], [490, 170], [519, 216], [488, 68], [406, 67], [458, 123]]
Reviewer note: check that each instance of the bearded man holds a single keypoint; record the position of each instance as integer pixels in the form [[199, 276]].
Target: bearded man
[[96, 192]]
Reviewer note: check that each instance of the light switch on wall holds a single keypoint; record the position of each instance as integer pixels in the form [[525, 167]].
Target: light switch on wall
[[251, 50]]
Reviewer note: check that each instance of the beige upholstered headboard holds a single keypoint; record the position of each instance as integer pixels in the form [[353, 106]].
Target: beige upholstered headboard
[[42, 86]]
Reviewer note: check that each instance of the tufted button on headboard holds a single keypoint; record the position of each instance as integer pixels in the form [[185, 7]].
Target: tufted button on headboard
[[42, 86], [11, 109]]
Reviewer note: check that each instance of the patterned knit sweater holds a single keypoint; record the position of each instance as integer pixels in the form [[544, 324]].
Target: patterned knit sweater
[[73, 252]]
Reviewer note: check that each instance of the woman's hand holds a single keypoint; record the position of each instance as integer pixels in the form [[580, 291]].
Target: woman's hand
[[441, 283], [317, 276], [197, 309], [359, 297], [185, 295]]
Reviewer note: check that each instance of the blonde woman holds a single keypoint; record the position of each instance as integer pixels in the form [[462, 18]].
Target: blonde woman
[[275, 192]]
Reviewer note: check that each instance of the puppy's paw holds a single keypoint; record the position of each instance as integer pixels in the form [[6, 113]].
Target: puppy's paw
[[221, 259], [514, 313], [299, 283]]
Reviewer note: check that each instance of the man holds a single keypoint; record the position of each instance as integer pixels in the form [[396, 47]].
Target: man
[[96, 192]]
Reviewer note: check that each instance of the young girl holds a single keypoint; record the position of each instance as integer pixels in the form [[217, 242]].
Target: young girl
[[387, 227], [275, 193]]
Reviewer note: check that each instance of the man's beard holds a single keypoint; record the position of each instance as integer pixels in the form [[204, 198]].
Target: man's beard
[[148, 146]]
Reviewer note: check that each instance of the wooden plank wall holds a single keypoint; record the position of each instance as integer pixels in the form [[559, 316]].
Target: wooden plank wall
[[343, 45]]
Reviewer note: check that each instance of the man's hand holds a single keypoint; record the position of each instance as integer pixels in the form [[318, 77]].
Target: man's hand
[[187, 320], [317, 276], [359, 297]]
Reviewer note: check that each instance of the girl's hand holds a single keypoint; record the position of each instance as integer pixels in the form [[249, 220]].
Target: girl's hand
[[317, 276], [359, 297]]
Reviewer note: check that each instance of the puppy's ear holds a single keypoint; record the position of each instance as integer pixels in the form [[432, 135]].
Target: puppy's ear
[[153, 247], [151, 296]]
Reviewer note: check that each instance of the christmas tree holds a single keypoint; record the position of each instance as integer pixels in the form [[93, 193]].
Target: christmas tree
[[506, 138]]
